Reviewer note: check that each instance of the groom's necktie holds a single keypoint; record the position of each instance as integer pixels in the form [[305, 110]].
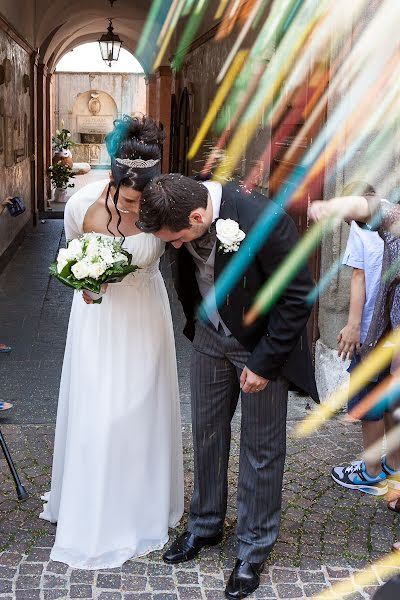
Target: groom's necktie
[[204, 245]]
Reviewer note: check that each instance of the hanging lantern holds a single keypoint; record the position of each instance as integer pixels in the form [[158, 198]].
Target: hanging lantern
[[110, 45]]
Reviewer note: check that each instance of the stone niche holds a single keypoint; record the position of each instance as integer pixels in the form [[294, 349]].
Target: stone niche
[[92, 117]]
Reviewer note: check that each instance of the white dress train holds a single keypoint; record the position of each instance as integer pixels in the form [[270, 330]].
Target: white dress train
[[117, 479]]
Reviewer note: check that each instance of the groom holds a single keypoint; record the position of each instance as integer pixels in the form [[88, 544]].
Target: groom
[[230, 359]]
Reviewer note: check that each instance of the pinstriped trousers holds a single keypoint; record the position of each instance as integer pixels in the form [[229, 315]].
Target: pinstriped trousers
[[217, 363]]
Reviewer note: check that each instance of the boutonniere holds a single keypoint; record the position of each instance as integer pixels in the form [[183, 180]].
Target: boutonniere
[[229, 235]]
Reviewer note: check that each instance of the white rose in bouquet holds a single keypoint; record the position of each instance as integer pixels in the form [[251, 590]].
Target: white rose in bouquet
[[106, 255], [93, 248], [121, 258], [229, 234], [63, 259], [75, 249], [96, 269], [81, 269]]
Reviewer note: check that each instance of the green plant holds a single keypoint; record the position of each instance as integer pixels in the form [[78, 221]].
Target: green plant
[[62, 140], [60, 175]]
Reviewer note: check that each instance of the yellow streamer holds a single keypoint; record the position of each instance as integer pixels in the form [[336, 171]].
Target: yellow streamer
[[221, 9], [219, 99], [375, 362], [239, 142], [383, 568]]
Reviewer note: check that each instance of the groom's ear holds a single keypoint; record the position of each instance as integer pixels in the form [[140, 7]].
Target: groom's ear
[[196, 217]]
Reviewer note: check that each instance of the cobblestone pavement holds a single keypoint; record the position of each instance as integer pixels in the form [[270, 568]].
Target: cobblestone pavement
[[327, 532]]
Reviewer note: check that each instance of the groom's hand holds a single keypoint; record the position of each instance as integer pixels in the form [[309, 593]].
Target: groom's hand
[[251, 382]]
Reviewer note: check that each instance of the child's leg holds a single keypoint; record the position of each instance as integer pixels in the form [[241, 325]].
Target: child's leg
[[392, 458], [372, 432]]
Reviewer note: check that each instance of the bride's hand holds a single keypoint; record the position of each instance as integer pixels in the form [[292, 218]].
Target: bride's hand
[[88, 299]]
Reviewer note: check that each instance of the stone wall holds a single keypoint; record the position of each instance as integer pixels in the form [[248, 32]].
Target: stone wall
[[15, 134], [20, 14], [122, 94]]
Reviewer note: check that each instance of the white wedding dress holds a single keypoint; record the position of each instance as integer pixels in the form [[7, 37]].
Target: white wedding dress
[[117, 480]]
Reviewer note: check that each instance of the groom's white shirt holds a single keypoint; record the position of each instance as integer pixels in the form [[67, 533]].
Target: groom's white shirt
[[205, 268]]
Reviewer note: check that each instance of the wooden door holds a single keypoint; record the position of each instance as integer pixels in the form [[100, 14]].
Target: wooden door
[[293, 133]]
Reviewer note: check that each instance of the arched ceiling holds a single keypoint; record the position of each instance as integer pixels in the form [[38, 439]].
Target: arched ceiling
[[64, 24]]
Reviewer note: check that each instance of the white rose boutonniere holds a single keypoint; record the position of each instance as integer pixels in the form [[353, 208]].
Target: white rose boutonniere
[[229, 235]]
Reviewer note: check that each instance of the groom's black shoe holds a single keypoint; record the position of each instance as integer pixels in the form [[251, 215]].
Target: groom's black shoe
[[244, 579], [187, 546]]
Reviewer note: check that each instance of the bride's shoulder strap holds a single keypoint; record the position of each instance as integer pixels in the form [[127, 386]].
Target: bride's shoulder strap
[[77, 206]]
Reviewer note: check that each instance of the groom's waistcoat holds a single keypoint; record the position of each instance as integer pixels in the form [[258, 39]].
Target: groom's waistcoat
[[278, 340]]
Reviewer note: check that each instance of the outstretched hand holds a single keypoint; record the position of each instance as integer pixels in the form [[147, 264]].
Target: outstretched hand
[[3, 203], [251, 382], [349, 342]]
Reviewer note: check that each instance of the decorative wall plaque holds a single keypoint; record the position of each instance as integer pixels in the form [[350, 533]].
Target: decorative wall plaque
[[94, 104], [99, 124]]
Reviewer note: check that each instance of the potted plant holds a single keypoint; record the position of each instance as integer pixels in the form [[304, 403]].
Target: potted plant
[[61, 144], [60, 175]]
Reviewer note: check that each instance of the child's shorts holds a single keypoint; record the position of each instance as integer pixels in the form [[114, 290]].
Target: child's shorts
[[377, 412]]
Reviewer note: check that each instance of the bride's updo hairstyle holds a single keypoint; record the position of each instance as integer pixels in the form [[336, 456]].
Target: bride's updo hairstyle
[[134, 146]]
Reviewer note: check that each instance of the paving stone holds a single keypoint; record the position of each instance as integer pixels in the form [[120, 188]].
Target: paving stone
[[212, 582], [134, 568], [108, 581], [56, 567], [264, 592], [54, 594], [81, 576], [131, 583], [27, 582], [7, 572], [190, 593], [110, 596], [39, 555], [31, 568], [312, 576], [161, 583], [159, 569], [284, 576], [54, 581], [5, 586], [138, 596], [312, 589], [287, 590], [81, 591], [27, 594], [10, 558], [165, 597]]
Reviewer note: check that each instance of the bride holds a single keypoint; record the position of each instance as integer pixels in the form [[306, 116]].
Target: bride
[[117, 479]]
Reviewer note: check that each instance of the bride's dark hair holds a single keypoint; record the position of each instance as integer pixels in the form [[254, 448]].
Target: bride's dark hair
[[133, 138]]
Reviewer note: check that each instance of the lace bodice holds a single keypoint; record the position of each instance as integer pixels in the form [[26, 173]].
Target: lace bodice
[[146, 249]]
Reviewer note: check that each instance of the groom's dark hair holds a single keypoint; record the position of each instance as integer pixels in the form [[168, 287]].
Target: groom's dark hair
[[168, 200]]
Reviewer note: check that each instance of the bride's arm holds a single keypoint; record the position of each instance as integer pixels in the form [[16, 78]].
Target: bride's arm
[[72, 224]]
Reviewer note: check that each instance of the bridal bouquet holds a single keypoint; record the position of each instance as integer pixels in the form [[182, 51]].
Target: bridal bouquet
[[91, 261]]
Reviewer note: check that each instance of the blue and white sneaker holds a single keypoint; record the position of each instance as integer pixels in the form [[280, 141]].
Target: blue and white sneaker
[[393, 477], [355, 477]]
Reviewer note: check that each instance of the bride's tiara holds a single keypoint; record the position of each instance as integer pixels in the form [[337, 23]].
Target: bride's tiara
[[137, 163]]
